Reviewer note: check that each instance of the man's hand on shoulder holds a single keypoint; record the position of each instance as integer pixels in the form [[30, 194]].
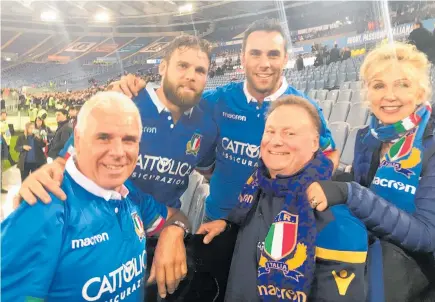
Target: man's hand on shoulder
[[130, 85]]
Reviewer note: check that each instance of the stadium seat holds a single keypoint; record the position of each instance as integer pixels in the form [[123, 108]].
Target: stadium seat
[[326, 106], [297, 85], [321, 94], [310, 85], [332, 95], [339, 131], [345, 85], [312, 93], [368, 119], [332, 81], [196, 211], [344, 95], [303, 86], [351, 76], [340, 80], [347, 154], [339, 112], [357, 96], [195, 179], [358, 114], [356, 85], [320, 84]]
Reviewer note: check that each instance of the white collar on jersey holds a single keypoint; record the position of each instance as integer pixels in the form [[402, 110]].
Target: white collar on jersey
[[270, 98], [160, 107], [91, 186]]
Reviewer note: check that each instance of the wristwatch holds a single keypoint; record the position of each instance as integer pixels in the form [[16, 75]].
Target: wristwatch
[[183, 226]]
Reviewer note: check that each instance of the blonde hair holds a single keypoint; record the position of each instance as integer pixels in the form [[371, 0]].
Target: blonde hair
[[399, 52]]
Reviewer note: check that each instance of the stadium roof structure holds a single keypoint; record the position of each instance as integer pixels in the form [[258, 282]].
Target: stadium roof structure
[[131, 14]]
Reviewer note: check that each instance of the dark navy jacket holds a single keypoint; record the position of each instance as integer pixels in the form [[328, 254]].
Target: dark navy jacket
[[414, 232]]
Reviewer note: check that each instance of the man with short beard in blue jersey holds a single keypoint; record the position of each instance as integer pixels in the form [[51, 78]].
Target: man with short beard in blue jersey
[[177, 137]]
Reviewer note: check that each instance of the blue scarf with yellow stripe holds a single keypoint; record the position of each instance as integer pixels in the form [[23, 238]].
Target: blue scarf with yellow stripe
[[288, 258]]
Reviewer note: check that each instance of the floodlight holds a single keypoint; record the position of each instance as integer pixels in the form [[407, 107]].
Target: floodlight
[[102, 17], [49, 15], [185, 8]]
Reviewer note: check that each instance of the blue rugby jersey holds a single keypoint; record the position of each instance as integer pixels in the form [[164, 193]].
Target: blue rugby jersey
[[89, 248], [241, 124], [168, 152]]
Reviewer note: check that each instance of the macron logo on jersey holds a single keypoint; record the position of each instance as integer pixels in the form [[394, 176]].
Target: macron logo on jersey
[[79, 243], [392, 184], [152, 130], [234, 116]]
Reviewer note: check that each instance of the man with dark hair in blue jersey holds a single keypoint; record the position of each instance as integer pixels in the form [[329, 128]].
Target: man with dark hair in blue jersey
[[177, 137], [93, 246], [239, 108]]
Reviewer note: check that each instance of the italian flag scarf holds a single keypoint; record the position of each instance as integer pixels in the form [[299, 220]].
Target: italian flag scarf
[[287, 261], [398, 174]]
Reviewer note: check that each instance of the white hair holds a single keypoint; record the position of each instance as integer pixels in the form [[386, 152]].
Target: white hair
[[107, 100]]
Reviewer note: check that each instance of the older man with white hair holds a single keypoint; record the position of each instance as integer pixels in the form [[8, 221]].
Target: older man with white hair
[[92, 246]]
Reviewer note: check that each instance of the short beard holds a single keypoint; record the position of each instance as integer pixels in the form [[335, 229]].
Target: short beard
[[175, 98]]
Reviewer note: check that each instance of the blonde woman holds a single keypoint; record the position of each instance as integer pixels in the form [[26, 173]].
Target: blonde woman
[[393, 171]]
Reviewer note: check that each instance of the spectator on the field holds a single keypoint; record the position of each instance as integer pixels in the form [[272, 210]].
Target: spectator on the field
[[346, 53], [30, 146], [334, 55], [319, 59], [4, 152], [423, 40], [61, 135], [72, 114], [300, 63], [7, 136]]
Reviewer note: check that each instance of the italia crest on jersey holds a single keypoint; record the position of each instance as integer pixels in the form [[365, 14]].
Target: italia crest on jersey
[[138, 225], [194, 144], [281, 241]]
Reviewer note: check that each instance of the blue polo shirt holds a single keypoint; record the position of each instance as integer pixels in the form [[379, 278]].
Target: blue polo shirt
[[241, 122], [168, 152], [89, 248]]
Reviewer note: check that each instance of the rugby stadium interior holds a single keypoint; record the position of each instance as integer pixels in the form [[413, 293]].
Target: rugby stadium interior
[[57, 54], [58, 47]]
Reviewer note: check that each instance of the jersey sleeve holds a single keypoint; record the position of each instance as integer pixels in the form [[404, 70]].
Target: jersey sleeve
[[326, 141], [31, 240], [208, 160], [68, 149], [153, 213]]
